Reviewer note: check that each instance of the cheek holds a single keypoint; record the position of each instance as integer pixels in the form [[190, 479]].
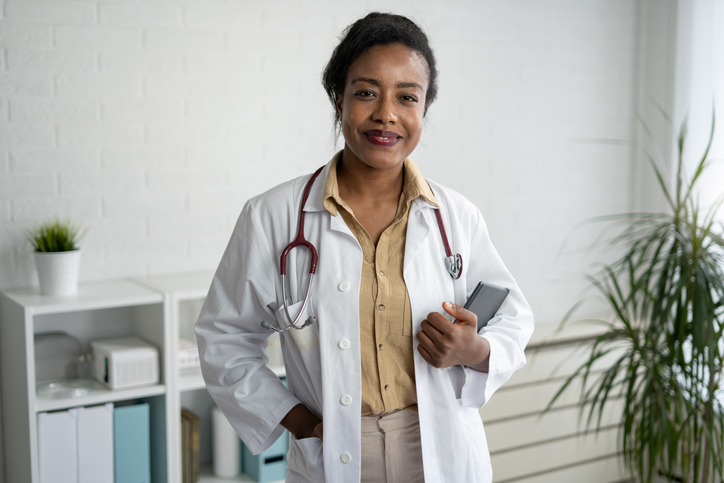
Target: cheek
[[350, 120], [414, 126]]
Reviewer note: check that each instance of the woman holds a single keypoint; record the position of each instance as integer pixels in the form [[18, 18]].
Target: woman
[[381, 386]]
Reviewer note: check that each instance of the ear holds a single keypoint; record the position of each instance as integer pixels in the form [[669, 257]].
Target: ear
[[338, 102]]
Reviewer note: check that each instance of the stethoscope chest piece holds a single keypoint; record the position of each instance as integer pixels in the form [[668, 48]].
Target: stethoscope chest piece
[[454, 265]]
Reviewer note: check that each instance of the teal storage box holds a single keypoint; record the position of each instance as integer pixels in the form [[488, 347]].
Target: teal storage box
[[132, 444], [271, 464]]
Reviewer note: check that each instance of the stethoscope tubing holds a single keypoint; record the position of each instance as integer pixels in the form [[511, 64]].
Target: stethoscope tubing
[[453, 263]]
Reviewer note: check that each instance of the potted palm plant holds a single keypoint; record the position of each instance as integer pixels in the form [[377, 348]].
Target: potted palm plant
[[666, 294], [57, 256]]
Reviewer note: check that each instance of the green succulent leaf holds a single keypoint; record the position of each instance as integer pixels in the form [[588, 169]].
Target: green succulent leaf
[[56, 236]]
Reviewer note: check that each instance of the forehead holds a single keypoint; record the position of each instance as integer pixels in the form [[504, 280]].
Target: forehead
[[392, 63]]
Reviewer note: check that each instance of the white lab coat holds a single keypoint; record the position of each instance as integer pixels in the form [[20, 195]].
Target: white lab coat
[[323, 361]]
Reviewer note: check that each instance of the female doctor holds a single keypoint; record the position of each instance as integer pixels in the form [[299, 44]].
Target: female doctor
[[381, 385]]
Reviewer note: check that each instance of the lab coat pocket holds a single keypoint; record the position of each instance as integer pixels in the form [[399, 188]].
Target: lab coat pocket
[[306, 460], [306, 340]]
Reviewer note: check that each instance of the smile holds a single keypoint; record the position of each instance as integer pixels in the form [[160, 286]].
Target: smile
[[382, 138]]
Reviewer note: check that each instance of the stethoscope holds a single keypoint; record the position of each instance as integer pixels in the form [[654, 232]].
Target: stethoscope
[[453, 263]]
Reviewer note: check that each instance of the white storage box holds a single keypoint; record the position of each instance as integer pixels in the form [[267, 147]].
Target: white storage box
[[124, 362], [188, 358]]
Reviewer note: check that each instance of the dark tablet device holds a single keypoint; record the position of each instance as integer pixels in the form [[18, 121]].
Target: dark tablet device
[[485, 301]]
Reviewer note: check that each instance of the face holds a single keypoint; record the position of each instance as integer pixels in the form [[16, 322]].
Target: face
[[383, 105]]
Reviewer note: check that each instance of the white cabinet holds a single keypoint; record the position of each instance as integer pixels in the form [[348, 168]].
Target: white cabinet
[[99, 310], [161, 310], [184, 295]]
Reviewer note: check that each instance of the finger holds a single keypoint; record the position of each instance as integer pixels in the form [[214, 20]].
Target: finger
[[460, 313], [425, 354], [433, 349], [439, 322], [432, 332]]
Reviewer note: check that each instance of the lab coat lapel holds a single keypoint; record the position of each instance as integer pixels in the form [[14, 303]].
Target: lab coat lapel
[[418, 229]]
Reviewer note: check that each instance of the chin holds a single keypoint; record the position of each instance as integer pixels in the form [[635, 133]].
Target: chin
[[382, 159]]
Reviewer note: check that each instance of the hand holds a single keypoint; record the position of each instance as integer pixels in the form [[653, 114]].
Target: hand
[[319, 431], [302, 423], [444, 344]]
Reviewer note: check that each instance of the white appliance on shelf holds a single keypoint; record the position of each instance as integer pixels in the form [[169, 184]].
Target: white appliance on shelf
[[123, 362], [188, 358]]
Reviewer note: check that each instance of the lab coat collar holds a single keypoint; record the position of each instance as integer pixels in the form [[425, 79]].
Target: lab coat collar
[[315, 202]]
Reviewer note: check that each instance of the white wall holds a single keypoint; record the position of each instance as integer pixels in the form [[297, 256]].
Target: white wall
[[699, 86], [151, 122]]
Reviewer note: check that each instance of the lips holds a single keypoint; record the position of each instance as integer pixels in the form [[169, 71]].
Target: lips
[[382, 138]]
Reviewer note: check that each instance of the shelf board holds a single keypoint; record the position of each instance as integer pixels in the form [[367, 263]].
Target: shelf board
[[90, 296], [98, 396], [191, 285], [191, 382], [206, 475]]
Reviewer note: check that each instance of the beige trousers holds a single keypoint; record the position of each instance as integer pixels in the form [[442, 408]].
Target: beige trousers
[[391, 448]]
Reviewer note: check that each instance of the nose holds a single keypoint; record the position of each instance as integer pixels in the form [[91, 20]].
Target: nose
[[385, 110]]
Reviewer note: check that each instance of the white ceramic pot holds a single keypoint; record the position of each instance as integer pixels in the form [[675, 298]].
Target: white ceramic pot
[[58, 272]]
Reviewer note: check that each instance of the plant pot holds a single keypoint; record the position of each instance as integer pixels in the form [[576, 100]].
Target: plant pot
[[58, 272]]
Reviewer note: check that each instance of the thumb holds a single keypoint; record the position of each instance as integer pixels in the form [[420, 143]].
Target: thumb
[[460, 313], [451, 308]]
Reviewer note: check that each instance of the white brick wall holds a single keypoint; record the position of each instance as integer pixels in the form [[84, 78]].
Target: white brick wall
[[188, 108], [152, 122]]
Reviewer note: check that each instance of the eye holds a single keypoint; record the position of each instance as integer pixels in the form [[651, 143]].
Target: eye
[[365, 93], [409, 98]]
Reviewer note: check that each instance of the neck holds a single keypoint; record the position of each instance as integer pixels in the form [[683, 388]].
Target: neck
[[362, 182]]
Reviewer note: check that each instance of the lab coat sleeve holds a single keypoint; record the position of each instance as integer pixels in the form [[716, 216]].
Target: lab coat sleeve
[[508, 332], [231, 339]]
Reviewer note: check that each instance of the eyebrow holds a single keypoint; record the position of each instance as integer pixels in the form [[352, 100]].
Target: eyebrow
[[375, 82]]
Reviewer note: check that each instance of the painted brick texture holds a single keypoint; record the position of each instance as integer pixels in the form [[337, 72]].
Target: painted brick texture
[[152, 122]]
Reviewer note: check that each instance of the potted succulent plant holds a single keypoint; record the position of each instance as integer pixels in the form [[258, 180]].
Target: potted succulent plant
[[57, 256], [666, 336]]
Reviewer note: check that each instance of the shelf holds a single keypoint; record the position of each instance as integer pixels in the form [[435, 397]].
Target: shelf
[[191, 382], [192, 285], [99, 396], [206, 475], [93, 295]]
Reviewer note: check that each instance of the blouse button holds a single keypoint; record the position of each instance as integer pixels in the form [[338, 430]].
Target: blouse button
[[344, 344], [346, 400], [346, 458], [343, 287]]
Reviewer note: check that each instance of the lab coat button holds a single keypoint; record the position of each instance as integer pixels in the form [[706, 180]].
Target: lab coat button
[[346, 458], [343, 287], [344, 344], [346, 400]]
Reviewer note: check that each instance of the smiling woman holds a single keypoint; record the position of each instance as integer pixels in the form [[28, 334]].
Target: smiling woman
[[381, 385]]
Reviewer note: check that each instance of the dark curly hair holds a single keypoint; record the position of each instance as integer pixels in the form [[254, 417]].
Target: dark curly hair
[[376, 29]]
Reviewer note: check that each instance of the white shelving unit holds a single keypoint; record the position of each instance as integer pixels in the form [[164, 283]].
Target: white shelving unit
[[184, 295], [160, 309], [99, 310]]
